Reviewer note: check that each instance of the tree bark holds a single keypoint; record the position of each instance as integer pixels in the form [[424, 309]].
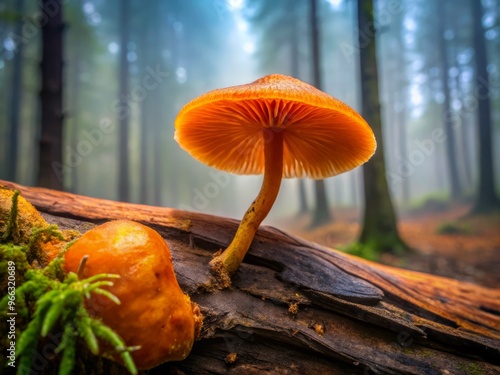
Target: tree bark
[[321, 213], [486, 197], [50, 170], [296, 307], [380, 230]]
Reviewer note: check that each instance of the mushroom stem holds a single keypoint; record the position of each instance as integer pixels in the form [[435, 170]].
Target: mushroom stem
[[228, 262]]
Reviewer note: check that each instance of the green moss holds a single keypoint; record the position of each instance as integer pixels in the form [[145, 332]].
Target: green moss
[[61, 304], [360, 250], [38, 237], [12, 254], [18, 218], [12, 230], [44, 302], [376, 246]]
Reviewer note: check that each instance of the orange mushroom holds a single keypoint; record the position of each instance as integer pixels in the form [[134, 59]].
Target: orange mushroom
[[279, 126]]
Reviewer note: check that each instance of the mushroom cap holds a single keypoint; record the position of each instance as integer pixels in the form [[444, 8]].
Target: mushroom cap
[[227, 129]]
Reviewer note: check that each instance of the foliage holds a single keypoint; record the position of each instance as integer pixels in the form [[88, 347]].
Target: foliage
[[46, 300]]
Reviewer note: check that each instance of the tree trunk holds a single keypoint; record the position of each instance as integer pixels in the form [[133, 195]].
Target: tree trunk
[[303, 207], [75, 105], [16, 97], [50, 171], [439, 163], [486, 197], [75, 134], [144, 151], [124, 112], [465, 139], [392, 88], [379, 231], [354, 188], [403, 147], [147, 121], [338, 192], [451, 154], [402, 122], [163, 102], [321, 214], [159, 154], [295, 72], [296, 307], [294, 41]]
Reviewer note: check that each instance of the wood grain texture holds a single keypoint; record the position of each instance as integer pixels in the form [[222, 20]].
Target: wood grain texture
[[353, 316]]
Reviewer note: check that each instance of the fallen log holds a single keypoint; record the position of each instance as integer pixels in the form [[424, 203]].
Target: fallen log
[[296, 307]]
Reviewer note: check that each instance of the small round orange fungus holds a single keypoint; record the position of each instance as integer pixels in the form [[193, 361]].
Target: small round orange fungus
[[154, 313], [279, 126]]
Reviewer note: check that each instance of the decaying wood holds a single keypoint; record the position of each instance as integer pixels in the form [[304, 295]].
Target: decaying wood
[[299, 308]]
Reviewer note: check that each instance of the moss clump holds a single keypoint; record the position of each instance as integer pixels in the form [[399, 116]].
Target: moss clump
[[12, 253], [373, 249], [362, 251], [18, 217], [61, 305]]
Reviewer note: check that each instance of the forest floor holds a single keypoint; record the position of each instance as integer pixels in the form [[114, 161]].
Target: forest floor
[[445, 243]]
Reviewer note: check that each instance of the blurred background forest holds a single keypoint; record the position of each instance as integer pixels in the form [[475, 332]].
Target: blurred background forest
[[129, 67]]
